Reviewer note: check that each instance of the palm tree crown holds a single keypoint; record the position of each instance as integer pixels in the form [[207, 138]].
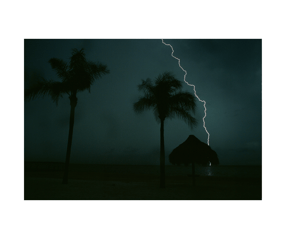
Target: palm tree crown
[[79, 75], [166, 100]]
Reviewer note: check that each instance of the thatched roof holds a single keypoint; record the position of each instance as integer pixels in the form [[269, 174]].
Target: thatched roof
[[193, 150]]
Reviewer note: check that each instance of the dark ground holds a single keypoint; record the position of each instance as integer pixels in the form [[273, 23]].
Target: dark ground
[[130, 182]]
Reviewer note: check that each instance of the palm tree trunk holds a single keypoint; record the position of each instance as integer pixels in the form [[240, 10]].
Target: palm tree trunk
[[73, 102], [193, 172], [162, 156]]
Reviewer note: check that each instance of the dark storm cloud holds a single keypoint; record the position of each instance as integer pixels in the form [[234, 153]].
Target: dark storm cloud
[[31, 76], [232, 55], [227, 75], [111, 124], [230, 64]]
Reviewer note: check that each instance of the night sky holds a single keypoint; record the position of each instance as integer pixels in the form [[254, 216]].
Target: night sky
[[226, 73]]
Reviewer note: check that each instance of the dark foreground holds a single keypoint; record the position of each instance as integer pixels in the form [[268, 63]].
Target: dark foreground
[[111, 182]]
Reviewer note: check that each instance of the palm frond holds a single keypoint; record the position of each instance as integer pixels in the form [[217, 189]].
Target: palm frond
[[43, 87], [96, 71], [83, 73], [185, 100], [60, 66], [143, 104], [184, 115], [168, 83], [146, 86]]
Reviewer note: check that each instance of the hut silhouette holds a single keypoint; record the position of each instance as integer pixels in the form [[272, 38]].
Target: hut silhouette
[[193, 151]]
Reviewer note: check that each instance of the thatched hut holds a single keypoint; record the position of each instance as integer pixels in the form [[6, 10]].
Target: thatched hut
[[193, 151]]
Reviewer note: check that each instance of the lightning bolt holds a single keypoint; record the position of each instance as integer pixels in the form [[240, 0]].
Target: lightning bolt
[[204, 123]]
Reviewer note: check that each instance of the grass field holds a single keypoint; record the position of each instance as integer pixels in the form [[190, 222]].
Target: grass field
[[123, 182]]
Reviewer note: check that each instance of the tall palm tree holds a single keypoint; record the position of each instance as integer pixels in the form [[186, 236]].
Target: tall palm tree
[[167, 101], [78, 76]]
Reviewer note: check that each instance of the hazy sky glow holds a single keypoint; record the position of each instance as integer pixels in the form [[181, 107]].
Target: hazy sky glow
[[226, 73]]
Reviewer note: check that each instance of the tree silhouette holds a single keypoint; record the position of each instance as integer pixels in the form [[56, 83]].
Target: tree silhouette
[[167, 102], [78, 76]]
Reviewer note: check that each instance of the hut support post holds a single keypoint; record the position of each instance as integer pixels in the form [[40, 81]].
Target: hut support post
[[193, 174]]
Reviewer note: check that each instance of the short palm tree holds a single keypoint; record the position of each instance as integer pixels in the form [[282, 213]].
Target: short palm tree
[[78, 76], [167, 101]]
